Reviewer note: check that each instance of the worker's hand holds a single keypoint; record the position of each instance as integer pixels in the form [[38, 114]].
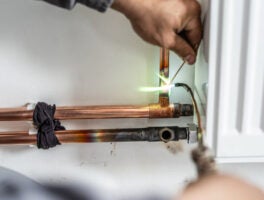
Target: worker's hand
[[173, 24], [219, 187]]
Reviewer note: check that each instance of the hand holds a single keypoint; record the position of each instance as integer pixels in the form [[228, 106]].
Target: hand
[[220, 187], [173, 24]]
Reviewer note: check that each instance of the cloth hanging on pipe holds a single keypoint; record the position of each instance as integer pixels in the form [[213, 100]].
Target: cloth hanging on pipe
[[43, 119]]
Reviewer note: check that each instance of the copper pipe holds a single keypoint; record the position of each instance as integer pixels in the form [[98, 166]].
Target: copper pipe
[[108, 135], [161, 110], [164, 72], [100, 112]]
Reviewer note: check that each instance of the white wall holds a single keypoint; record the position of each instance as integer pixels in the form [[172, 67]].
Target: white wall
[[83, 57]]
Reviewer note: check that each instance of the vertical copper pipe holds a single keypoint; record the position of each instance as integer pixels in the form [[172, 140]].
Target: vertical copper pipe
[[164, 72]]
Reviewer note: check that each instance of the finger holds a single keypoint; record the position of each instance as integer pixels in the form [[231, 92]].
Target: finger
[[193, 32], [183, 49], [150, 38]]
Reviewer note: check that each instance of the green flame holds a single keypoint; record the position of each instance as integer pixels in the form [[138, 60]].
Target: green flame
[[164, 88]]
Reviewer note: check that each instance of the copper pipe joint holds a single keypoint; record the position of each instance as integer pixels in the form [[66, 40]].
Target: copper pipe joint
[[158, 111], [164, 100], [172, 111]]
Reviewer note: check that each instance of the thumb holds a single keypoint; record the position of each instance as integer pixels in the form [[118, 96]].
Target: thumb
[[183, 49]]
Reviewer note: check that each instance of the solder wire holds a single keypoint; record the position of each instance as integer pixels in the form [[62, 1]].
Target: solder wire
[[177, 72], [179, 69]]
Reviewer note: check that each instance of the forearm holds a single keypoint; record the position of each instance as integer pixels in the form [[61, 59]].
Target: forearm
[[100, 5]]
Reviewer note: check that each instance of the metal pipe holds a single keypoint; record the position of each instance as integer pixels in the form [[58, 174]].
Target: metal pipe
[[161, 110], [164, 72], [102, 112], [152, 134]]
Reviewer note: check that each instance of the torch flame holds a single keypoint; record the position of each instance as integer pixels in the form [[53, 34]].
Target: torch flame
[[164, 88]]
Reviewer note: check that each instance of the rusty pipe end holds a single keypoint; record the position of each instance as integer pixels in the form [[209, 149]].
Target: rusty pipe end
[[182, 110], [171, 111]]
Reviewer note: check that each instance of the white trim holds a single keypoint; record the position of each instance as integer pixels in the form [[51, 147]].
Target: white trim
[[236, 88], [240, 159]]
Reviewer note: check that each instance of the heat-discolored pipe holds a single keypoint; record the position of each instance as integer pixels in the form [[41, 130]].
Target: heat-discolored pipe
[[152, 134]]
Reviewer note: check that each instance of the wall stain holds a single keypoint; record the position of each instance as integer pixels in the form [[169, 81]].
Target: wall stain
[[113, 151], [174, 147]]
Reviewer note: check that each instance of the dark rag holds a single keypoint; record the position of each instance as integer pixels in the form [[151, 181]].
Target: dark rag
[[43, 119]]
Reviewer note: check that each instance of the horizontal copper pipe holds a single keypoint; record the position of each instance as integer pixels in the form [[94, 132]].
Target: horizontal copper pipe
[[85, 136], [102, 112]]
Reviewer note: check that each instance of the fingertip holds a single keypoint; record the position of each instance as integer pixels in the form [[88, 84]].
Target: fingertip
[[190, 59], [184, 50]]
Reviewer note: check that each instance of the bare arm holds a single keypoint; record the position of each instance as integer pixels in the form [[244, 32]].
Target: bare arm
[[221, 187]]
